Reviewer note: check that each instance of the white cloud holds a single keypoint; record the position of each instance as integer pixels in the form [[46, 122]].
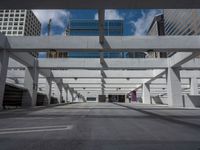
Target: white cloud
[[142, 24], [110, 14], [57, 16]]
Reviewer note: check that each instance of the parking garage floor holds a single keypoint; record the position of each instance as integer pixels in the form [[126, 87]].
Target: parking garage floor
[[100, 126]]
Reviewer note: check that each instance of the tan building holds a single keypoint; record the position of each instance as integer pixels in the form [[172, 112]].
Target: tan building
[[56, 54]]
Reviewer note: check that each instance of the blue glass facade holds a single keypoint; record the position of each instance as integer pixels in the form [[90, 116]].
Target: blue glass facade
[[91, 28]]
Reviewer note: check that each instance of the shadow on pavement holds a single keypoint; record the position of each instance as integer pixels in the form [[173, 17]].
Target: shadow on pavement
[[162, 117]]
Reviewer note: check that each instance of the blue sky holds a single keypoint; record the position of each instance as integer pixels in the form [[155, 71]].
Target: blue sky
[[136, 22]]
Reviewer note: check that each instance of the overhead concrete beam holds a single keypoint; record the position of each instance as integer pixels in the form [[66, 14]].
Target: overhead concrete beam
[[110, 81], [76, 74], [138, 63], [129, 74], [82, 81], [111, 64], [69, 63], [93, 63], [46, 73], [120, 85], [13, 64], [157, 74], [125, 81], [191, 65], [85, 85], [112, 43], [24, 58], [180, 58], [123, 75], [96, 4]]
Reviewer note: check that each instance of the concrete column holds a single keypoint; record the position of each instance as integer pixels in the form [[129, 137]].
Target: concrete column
[[4, 57], [61, 93], [102, 91], [174, 87], [48, 89], [74, 96], [58, 92], [82, 98], [194, 86], [31, 84], [146, 97], [66, 94], [126, 99], [69, 96]]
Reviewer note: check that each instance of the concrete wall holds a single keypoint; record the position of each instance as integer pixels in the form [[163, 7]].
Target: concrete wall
[[159, 100], [139, 99], [188, 101], [91, 95], [191, 101]]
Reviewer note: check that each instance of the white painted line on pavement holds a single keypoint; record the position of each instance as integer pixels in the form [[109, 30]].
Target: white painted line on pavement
[[40, 127], [35, 129]]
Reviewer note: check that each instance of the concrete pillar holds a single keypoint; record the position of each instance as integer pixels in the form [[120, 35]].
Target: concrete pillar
[[66, 94], [102, 91], [4, 57], [58, 92], [82, 98], [74, 96], [194, 86], [69, 96], [146, 97], [174, 87], [61, 93], [126, 99], [31, 84], [48, 89]]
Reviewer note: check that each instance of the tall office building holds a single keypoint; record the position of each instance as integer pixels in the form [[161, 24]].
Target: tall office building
[[157, 29], [91, 28], [177, 22], [182, 21], [19, 23]]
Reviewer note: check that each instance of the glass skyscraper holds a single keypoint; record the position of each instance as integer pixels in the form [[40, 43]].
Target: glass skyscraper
[[91, 28]]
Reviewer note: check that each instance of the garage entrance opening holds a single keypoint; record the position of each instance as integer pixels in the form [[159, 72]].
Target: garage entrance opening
[[116, 98]]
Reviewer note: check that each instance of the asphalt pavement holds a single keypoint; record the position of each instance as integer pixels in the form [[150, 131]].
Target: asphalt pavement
[[100, 126]]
